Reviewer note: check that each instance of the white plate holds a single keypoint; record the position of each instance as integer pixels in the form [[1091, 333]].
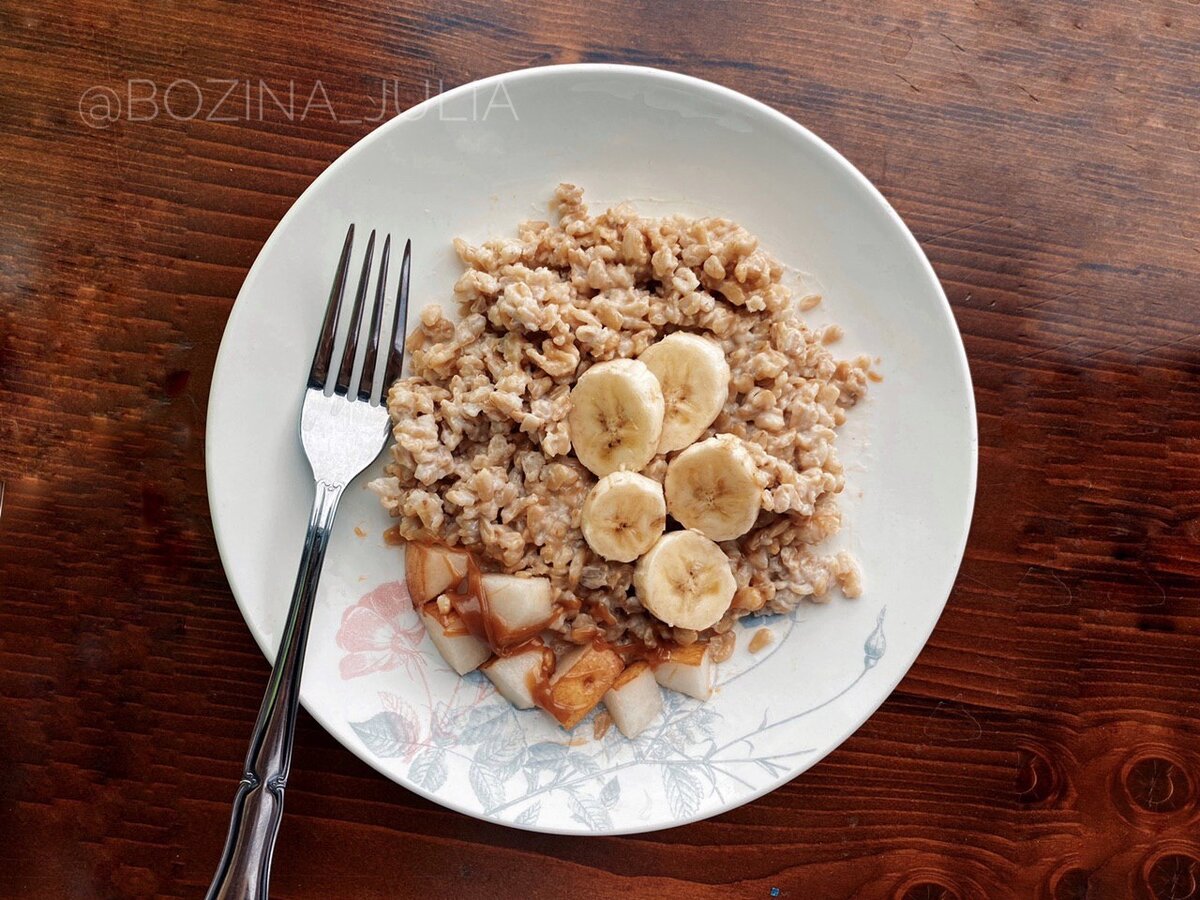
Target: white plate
[[472, 163]]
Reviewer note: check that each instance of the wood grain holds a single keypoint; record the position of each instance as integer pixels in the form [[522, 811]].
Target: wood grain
[[1047, 156]]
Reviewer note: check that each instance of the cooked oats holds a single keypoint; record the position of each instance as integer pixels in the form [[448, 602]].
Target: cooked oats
[[482, 457]]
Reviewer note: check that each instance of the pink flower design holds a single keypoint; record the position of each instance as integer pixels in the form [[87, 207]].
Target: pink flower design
[[381, 632]]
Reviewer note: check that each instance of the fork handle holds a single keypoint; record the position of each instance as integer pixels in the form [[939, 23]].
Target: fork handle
[[245, 867]]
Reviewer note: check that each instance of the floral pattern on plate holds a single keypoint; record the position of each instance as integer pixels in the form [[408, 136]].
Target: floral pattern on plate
[[517, 766]]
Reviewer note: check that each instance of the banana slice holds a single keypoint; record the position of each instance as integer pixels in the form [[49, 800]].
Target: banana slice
[[711, 487], [623, 515], [616, 416], [694, 377], [685, 580]]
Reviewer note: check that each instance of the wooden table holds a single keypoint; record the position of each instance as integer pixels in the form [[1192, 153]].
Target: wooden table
[[1047, 156]]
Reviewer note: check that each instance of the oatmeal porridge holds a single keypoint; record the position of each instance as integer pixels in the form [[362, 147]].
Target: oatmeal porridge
[[621, 401]]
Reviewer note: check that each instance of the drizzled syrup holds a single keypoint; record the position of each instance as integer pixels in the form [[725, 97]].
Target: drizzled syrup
[[470, 613]]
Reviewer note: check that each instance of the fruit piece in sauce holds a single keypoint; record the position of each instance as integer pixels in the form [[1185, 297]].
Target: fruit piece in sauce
[[459, 648], [580, 680], [519, 608], [432, 570], [517, 674], [688, 670], [634, 700]]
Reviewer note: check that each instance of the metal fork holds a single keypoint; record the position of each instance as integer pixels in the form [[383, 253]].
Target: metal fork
[[342, 432]]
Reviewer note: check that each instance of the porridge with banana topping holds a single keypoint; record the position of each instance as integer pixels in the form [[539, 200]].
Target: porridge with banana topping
[[624, 442]]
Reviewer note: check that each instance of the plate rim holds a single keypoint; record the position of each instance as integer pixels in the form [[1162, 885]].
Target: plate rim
[[678, 79]]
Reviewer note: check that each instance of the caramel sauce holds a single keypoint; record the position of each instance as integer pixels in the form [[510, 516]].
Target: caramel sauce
[[601, 613], [470, 614], [689, 655], [538, 680], [601, 725], [631, 672], [761, 638], [471, 604], [451, 622], [543, 692], [633, 652], [543, 696]]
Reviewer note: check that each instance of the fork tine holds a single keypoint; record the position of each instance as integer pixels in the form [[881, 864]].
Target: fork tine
[[318, 374], [367, 380], [399, 323], [342, 387]]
